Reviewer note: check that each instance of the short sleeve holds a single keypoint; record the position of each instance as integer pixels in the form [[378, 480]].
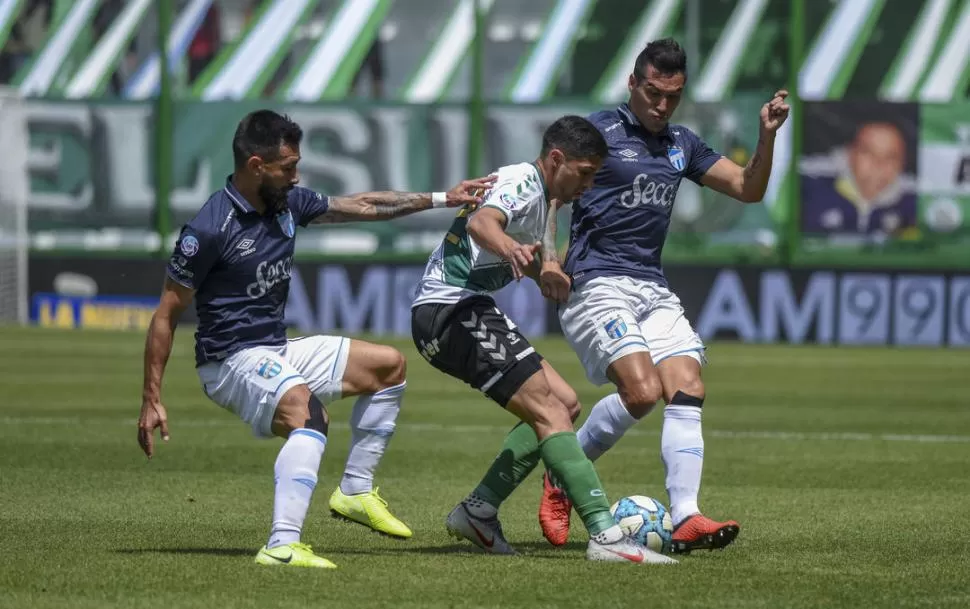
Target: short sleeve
[[513, 198], [195, 254], [308, 205], [702, 158]]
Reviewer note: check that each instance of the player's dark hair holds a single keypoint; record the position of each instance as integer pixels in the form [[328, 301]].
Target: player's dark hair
[[576, 137], [665, 55], [261, 133]]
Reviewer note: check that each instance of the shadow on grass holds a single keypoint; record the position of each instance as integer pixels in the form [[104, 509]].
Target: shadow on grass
[[534, 549], [204, 551]]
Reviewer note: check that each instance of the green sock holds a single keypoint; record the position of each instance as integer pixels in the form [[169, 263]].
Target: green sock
[[519, 456], [564, 457]]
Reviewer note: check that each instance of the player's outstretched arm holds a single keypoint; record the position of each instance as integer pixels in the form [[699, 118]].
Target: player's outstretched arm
[[553, 282], [158, 346], [749, 183], [487, 227], [372, 206]]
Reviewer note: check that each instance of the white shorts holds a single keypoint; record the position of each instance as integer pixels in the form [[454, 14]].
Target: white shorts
[[607, 318], [251, 382]]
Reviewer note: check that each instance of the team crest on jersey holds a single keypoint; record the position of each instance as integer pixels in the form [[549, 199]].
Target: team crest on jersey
[[285, 220], [677, 158], [615, 328], [268, 367], [189, 245]]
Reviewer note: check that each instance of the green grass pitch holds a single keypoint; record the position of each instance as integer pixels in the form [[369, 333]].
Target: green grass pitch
[[849, 470]]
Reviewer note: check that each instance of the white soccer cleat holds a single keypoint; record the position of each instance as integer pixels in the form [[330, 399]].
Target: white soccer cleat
[[486, 533], [625, 550]]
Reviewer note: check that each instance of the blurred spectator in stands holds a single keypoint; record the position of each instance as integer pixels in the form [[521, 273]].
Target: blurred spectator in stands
[[374, 65], [103, 19], [26, 38], [285, 65], [206, 44]]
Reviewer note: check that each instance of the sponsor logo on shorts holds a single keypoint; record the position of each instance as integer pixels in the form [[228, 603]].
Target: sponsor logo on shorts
[[615, 328], [268, 368], [429, 350]]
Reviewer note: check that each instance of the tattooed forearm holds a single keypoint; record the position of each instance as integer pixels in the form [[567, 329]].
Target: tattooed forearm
[[372, 206], [758, 170], [549, 252]]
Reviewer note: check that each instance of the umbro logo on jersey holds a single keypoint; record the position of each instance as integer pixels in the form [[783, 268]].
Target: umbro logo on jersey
[[630, 154], [246, 245]]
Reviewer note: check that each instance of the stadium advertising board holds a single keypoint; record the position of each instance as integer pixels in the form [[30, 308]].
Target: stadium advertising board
[[91, 168], [886, 183], [757, 305]]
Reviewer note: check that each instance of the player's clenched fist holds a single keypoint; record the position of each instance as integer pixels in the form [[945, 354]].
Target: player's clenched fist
[[521, 257], [775, 112]]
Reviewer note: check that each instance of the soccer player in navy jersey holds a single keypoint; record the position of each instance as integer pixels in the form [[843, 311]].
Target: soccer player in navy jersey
[[234, 258], [616, 311]]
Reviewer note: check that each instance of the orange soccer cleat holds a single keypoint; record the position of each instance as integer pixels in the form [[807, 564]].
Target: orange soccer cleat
[[698, 532], [554, 511]]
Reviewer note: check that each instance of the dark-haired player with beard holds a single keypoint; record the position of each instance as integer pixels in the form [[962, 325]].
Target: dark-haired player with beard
[[234, 258], [617, 312]]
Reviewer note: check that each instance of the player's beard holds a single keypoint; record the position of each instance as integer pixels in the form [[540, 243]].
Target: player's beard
[[274, 198]]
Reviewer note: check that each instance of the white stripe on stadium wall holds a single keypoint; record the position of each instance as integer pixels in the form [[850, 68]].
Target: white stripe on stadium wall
[[817, 75], [916, 55], [547, 55], [38, 82], [147, 79], [724, 59], [832, 47], [7, 8], [446, 55], [941, 84], [237, 77], [651, 25], [329, 52], [102, 61]]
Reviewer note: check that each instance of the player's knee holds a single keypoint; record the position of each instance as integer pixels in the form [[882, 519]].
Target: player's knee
[[690, 391], [549, 413], [640, 398], [391, 368], [397, 368], [318, 419], [299, 409], [571, 402]]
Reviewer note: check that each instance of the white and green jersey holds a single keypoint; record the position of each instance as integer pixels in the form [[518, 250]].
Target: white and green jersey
[[459, 268]]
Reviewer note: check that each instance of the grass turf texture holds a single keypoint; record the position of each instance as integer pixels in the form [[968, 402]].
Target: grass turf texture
[[848, 469]]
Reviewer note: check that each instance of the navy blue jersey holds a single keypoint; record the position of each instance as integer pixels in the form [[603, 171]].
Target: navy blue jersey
[[619, 226], [239, 262]]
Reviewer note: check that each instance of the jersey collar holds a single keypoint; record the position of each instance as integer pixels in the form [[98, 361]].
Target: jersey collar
[[542, 180], [630, 118], [237, 199]]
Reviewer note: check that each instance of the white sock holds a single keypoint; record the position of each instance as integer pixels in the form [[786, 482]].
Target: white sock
[[296, 477], [606, 424], [372, 425], [682, 449]]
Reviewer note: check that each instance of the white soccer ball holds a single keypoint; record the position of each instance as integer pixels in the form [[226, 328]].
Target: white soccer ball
[[645, 520]]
